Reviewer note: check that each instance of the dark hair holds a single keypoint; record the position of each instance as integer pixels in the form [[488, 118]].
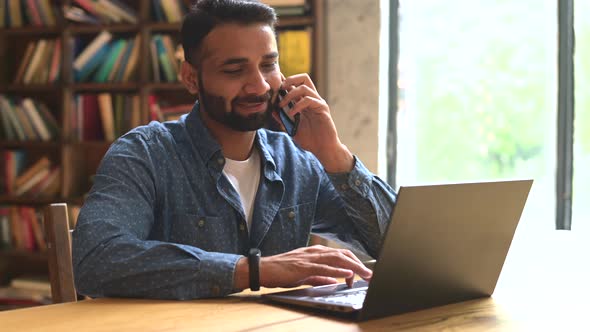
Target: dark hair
[[205, 15]]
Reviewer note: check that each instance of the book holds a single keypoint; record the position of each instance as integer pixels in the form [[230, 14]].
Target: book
[[113, 74], [5, 232], [76, 14], [8, 131], [105, 105], [31, 182], [35, 168], [41, 72], [16, 16], [25, 61], [7, 106], [35, 61], [92, 122], [34, 283], [49, 186], [109, 60], [47, 13], [24, 121], [169, 47], [96, 44], [290, 11], [165, 62], [28, 236], [16, 228], [155, 62], [93, 64], [135, 119], [55, 64], [14, 161], [37, 229], [38, 124], [295, 51], [133, 60], [120, 70], [157, 11], [3, 14], [125, 12], [171, 11], [48, 119]]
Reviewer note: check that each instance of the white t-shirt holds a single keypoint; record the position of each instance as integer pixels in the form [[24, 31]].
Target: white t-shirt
[[245, 177]]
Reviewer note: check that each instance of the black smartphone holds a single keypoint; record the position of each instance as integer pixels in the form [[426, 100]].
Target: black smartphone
[[289, 123]]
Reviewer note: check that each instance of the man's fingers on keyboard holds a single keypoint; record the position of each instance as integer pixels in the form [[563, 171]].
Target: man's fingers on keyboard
[[329, 271], [319, 281]]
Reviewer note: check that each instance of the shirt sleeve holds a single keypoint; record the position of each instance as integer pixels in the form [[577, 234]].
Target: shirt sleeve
[[112, 255], [356, 207]]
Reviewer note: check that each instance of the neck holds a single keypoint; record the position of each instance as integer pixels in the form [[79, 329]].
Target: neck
[[236, 145]]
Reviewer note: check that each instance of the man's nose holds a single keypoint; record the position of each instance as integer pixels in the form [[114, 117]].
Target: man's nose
[[256, 84]]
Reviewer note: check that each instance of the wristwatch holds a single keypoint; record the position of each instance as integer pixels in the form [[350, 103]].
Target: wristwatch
[[253, 265]]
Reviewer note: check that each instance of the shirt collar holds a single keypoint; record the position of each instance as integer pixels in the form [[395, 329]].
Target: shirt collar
[[209, 148]]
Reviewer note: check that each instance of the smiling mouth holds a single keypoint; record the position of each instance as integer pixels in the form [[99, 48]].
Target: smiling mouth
[[253, 107]]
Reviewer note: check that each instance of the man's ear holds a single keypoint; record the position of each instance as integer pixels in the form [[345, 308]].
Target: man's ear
[[188, 76]]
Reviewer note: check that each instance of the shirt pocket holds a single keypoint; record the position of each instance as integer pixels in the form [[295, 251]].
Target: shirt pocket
[[292, 226], [200, 231]]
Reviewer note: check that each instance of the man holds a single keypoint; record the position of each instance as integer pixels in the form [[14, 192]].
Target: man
[[176, 207]]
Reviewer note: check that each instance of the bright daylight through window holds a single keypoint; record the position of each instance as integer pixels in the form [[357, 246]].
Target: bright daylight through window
[[477, 98]]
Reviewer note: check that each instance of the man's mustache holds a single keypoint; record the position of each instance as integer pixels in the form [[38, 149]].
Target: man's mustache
[[253, 98]]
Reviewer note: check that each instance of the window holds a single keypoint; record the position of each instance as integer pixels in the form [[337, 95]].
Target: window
[[581, 179], [477, 96]]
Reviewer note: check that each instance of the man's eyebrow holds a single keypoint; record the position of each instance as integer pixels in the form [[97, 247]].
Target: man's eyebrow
[[233, 61], [271, 55]]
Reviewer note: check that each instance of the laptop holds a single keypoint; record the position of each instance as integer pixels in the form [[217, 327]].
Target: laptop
[[445, 243]]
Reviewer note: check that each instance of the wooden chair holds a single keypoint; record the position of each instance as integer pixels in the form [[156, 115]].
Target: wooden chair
[[59, 252]]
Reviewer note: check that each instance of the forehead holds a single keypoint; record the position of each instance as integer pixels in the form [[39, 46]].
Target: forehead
[[239, 41]]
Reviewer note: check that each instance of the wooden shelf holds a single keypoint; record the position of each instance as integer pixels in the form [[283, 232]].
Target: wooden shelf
[[176, 86], [4, 88], [91, 29], [29, 200], [101, 87], [292, 21], [20, 254], [32, 30], [29, 145], [91, 144]]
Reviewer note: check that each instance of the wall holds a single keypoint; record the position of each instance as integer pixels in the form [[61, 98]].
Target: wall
[[352, 59]]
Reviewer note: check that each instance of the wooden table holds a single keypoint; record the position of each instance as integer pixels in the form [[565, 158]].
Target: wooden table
[[538, 291]]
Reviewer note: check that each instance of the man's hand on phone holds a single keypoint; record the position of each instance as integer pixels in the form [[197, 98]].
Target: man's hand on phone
[[317, 132]]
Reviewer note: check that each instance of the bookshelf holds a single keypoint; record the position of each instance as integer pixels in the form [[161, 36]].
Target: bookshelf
[[76, 157]]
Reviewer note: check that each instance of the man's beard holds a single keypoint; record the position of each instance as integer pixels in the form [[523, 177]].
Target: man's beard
[[214, 106]]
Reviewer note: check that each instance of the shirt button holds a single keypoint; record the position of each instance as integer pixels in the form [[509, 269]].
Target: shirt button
[[291, 215], [221, 161], [201, 222], [343, 186], [215, 290], [357, 182], [242, 227]]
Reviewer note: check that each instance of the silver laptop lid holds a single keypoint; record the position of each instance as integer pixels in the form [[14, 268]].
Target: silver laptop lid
[[446, 243]]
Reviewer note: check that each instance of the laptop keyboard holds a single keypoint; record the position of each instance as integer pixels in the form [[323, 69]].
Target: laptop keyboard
[[354, 298]]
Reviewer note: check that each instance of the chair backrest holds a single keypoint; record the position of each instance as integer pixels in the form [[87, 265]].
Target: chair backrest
[[59, 253]]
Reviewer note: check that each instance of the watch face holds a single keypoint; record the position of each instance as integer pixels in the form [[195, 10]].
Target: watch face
[[254, 252]]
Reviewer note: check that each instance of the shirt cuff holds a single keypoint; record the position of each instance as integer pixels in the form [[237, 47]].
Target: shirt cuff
[[359, 179], [217, 270]]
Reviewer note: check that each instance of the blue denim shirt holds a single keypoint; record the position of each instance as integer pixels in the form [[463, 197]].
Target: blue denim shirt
[[162, 221]]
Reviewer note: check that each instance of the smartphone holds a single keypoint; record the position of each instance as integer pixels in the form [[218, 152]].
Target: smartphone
[[289, 123]]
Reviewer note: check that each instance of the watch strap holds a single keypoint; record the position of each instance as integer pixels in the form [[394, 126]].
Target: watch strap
[[254, 268]]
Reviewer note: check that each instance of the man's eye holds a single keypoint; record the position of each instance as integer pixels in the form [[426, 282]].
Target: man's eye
[[271, 65], [232, 72]]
